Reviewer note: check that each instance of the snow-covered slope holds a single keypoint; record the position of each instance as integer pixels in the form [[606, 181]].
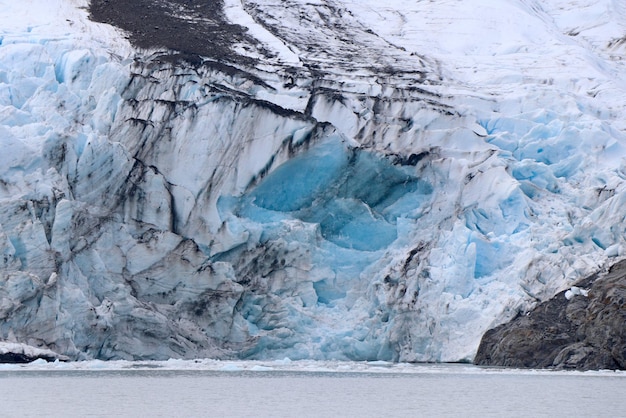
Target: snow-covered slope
[[337, 180]]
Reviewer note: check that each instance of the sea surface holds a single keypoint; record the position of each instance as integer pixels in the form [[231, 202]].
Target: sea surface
[[209, 388]]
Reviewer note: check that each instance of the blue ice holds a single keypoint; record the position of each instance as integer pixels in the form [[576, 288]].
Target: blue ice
[[354, 195]]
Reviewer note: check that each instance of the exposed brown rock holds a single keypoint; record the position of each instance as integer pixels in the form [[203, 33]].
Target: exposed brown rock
[[584, 332], [194, 29]]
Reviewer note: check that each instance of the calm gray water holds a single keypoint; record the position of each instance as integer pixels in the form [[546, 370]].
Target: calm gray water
[[245, 393]]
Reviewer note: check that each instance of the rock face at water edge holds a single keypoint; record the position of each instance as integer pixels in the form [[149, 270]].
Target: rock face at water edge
[[581, 328]]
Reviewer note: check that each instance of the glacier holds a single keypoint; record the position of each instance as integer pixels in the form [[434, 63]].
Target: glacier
[[331, 180]]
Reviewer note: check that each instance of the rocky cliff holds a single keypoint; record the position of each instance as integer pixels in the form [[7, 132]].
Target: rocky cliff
[[581, 328]]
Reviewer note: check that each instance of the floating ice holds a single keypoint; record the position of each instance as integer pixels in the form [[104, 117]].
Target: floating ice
[[302, 367]]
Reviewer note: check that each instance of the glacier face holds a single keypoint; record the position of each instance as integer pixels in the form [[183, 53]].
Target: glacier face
[[345, 181]]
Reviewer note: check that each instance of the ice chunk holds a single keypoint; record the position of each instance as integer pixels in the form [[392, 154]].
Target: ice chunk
[[576, 291], [76, 68]]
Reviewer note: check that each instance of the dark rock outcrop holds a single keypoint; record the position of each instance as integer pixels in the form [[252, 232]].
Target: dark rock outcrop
[[22, 353], [21, 358], [180, 25], [582, 332]]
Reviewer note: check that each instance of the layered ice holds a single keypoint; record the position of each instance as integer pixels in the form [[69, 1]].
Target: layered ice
[[382, 183]]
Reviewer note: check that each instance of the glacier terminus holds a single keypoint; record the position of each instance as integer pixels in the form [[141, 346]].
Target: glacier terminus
[[320, 179]]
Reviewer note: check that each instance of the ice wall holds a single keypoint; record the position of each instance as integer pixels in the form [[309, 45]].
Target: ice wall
[[372, 200]]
